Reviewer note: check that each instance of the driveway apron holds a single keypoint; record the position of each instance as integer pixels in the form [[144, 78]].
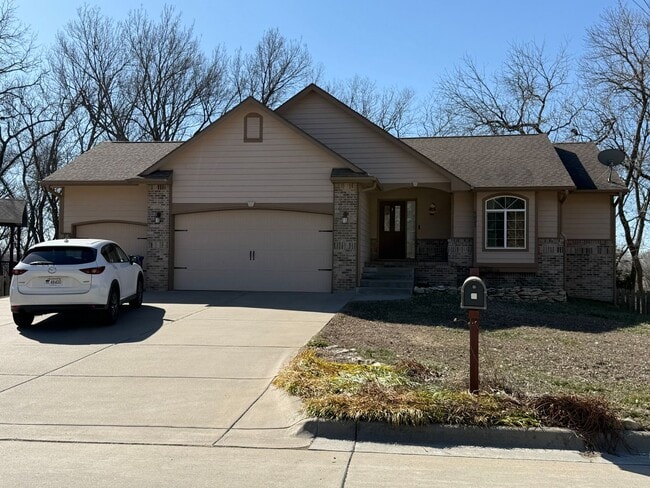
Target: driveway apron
[[188, 368]]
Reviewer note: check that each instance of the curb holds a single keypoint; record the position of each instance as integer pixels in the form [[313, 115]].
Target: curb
[[437, 435]]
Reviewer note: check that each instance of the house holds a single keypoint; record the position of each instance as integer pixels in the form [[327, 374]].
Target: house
[[301, 198]]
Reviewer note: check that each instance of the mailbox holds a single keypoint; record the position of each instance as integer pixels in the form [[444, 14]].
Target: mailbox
[[473, 294]]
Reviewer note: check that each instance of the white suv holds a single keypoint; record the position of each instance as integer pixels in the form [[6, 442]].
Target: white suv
[[71, 274]]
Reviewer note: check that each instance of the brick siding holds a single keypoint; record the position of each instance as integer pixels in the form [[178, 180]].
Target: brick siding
[[345, 238], [590, 269], [158, 238]]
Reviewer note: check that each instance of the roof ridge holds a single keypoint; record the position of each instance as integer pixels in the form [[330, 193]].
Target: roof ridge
[[145, 142], [475, 136]]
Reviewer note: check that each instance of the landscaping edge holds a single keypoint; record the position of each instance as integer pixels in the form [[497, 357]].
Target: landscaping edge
[[437, 435]]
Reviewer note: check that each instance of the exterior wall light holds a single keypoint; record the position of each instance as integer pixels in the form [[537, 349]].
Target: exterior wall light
[[251, 204], [157, 218], [344, 219], [433, 209]]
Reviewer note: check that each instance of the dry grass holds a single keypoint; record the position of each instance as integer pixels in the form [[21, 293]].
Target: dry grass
[[581, 365], [580, 348], [404, 394]]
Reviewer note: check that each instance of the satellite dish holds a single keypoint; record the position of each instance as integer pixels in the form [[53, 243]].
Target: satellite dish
[[611, 157]]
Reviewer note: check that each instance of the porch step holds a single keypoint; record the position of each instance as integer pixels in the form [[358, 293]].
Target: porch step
[[385, 291], [383, 272], [379, 279]]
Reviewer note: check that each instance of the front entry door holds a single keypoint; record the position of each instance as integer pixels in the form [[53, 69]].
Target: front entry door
[[392, 230]]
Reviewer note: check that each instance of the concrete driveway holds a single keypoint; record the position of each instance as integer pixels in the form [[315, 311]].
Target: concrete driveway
[[188, 368]]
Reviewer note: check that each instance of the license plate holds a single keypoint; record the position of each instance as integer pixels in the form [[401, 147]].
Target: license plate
[[53, 281]]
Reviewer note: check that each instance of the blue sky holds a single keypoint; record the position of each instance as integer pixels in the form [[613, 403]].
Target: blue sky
[[406, 43]]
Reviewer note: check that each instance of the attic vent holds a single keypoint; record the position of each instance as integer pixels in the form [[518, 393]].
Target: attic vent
[[253, 127]]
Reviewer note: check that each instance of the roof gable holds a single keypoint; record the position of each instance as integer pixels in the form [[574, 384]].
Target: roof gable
[[248, 105], [362, 142]]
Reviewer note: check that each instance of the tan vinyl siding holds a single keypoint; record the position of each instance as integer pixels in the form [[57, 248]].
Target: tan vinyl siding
[[84, 204], [364, 228], [498, 256], [586, 216], [359, 143], [547, 214], [463, 214], [222, 168]]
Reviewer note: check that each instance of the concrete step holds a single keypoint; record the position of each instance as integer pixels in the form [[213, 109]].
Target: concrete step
[[386, 282], [372, 272], [382, 290]]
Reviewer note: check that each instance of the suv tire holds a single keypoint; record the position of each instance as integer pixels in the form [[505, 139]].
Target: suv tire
[[112, 312], [23, 319]]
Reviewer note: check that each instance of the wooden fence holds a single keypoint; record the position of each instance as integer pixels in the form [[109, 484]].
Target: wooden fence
[[633, 301]]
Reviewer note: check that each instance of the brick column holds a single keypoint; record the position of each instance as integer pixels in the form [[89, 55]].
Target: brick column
[[550, 259], [346, 236], [157, 260], [460, 255]]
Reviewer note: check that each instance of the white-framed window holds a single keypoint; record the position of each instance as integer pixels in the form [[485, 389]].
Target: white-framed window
[[505, 222]]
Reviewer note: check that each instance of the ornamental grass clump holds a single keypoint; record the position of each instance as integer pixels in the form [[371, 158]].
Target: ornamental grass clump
[[395, 394]]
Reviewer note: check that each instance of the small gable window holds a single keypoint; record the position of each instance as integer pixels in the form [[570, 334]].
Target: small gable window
[[505, 223], [253, 127]]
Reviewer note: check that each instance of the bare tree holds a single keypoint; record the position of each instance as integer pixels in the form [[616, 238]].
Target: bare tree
[[140, 79], [25, 121], [274, 70], [92, 68], [617, 69], [531, 94], [390, 108], [175, 88]]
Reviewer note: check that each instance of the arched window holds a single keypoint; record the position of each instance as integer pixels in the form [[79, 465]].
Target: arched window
[[505, 223]]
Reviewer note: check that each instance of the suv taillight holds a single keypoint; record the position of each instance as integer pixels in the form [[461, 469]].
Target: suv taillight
[[18, 272], [93, 271]]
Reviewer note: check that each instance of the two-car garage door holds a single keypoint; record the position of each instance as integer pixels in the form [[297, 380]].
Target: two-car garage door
[[262, 250]]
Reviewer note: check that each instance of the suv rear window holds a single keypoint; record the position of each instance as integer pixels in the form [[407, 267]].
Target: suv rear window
[[60, 255]]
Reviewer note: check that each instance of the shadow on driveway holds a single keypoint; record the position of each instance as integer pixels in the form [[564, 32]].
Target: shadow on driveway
[[299, 301], [84, 328]]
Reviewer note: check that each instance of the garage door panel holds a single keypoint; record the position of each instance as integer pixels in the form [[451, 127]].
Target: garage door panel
[[131, 237], [292, 251]]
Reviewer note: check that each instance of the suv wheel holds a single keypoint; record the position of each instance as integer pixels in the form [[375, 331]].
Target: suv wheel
[[23, 319], [137, 300], [112, 311]]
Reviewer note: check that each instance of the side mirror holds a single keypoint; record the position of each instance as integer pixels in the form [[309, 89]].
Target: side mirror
[[135, 259]]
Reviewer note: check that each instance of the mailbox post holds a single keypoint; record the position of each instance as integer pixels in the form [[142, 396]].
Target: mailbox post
[[473, 297]]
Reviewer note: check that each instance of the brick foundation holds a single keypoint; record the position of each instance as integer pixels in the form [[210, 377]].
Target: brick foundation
[[157, 263], [590, 269]]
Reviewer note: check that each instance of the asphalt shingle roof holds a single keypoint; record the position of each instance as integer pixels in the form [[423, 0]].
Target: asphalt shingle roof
[[12, 212], [581, 161], [517, 161], [112, 162]]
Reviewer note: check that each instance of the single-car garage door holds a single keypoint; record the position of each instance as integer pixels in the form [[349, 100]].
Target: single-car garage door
[[131, 237], [257, 250]]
